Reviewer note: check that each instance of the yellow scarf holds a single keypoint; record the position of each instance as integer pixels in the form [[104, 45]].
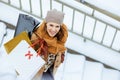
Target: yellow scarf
[[54, 46]]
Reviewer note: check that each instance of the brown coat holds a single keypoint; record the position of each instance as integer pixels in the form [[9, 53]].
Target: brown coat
[[56, 65], [58, 49]]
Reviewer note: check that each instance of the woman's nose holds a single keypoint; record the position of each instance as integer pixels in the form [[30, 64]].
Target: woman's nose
[[53, 29]]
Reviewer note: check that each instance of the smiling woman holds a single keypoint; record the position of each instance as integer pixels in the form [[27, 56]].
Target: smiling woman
[[51, 36], [52, 28]]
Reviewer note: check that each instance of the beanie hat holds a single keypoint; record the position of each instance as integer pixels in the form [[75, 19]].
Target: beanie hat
[[54, 16]]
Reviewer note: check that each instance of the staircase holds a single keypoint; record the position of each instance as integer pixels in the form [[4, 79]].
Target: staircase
[[77, 67], [93, 37]]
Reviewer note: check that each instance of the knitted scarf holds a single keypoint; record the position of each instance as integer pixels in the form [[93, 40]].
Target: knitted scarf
[[54, 46]]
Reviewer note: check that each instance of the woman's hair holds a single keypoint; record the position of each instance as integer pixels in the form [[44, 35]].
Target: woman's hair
[[59, 35]]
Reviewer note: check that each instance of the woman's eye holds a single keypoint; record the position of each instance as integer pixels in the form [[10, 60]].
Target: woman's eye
[[57, 26], [51, 25]]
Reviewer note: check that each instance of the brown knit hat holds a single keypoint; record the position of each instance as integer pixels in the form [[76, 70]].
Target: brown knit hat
[[54, 16]]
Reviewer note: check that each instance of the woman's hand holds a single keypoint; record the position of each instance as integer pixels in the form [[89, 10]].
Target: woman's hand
[[62, 57]]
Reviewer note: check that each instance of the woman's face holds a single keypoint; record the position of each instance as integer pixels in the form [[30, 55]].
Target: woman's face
[[52, 28]]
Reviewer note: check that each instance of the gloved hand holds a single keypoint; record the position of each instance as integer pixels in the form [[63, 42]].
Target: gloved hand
[[62, 57]]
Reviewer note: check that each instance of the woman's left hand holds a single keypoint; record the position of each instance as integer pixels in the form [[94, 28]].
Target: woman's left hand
[[62, 57]]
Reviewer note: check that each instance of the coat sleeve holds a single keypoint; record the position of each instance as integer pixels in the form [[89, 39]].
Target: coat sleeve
[[57, 62]]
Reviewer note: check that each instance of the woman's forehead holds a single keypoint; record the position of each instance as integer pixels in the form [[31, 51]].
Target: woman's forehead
[[53, 23]]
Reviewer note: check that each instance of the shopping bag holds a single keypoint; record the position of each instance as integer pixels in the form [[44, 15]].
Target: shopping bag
[[25, 60], [13, 42], [25, 23]]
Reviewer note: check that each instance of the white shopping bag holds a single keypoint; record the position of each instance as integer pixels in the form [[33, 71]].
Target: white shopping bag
[[25, 60]]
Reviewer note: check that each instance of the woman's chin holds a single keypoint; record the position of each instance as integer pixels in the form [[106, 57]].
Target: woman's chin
[[52, 35]]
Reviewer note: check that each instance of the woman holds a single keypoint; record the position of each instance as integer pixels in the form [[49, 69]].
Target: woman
[[49, 41]]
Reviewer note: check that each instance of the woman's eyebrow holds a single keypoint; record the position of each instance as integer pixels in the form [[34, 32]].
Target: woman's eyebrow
[[51, 24], [57, 26]]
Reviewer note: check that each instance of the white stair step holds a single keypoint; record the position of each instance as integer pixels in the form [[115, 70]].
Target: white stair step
[[2, 31], [10, 18], [7, 71], [94, 51], [9, 35], [72, 76], [106, 19], [74, 66], [93, 71], [60, 71], [110, 74]]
